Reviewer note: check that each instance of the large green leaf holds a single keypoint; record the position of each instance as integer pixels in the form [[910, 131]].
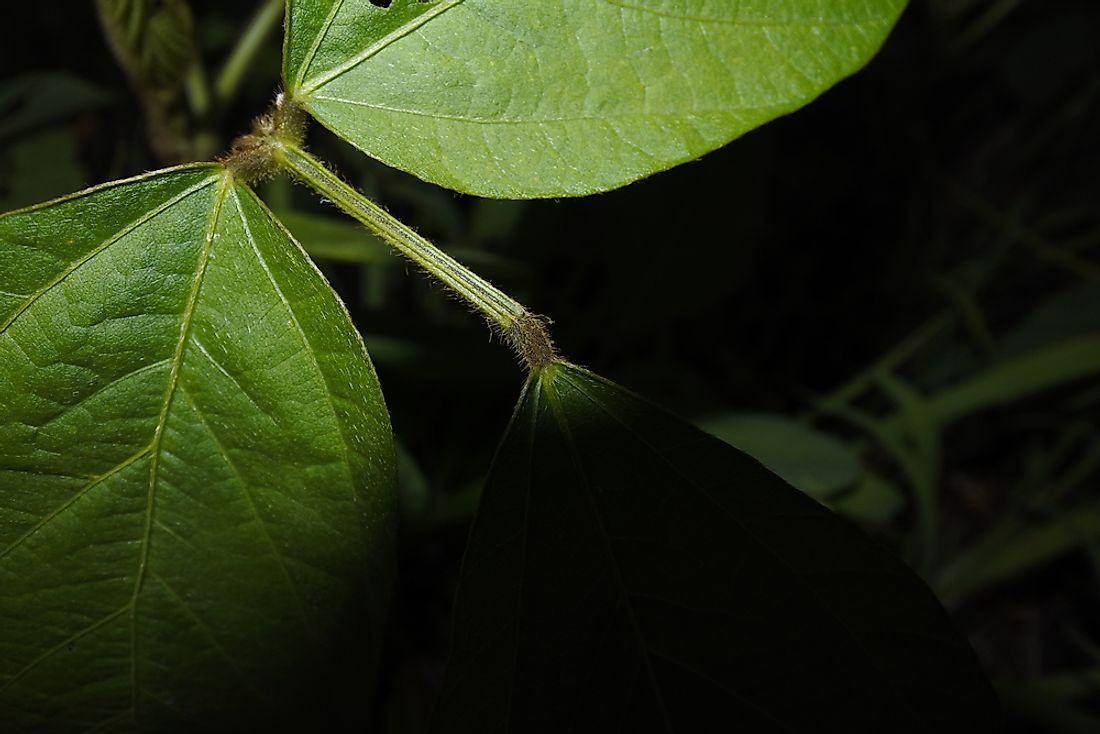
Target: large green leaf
[[627, 572], [538, 98], [196, 467]]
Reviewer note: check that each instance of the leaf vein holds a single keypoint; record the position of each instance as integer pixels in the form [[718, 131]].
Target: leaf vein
[[72, 500], [209, 634], [162, 421], [62, 645], [214, 363], [32, 298], [305, 343], [524, 544], [321, 35], [246, 494], [132, 373], [574, 455], [377, 46], [545, 120]]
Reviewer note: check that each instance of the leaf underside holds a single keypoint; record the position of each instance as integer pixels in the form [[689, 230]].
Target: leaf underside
[[544, 98], [627, 572], [196, 466]]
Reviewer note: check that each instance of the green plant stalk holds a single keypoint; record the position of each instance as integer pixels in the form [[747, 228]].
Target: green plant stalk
[[525, 331], [920, 440], [197, 87], [889, 362], [1013, 547], [248, 45]]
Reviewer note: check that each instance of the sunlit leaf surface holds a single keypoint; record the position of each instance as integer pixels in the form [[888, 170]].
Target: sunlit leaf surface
[[627, 572], [196, 467], [538, 98]]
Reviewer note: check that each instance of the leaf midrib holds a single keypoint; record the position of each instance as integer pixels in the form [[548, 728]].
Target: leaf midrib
[[471, 120], [186, 321], [554, 401]]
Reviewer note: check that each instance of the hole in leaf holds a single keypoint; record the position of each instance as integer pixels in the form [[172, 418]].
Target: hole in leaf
[[380, 3]]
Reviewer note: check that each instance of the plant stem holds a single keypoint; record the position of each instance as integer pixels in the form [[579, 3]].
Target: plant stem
[[197, 87], [525, 331], [250, 42], [885, 364]]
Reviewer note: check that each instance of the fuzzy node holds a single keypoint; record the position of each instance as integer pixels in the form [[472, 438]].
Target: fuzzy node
[[530, 338], [288, 120], [251, 159]]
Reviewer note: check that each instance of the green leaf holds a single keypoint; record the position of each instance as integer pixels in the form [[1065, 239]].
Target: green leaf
[[541, 98], [627, 572], [33, 101], [152, 39], [875, 500], [196, 467], [40, 166], [1019, 377], [1069, 313], [807, 459], [1017, 546]]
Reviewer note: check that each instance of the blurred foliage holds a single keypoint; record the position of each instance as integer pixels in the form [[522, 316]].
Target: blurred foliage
[[910, 266]]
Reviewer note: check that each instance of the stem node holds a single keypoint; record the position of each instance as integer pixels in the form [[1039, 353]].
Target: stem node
[[530, 338], [254, 157]]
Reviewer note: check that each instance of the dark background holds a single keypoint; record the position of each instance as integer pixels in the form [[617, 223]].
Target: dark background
[[948, 190]]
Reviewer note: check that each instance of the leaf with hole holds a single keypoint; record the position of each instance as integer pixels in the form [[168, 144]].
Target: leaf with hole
[[543, 98], [196, 466], [627, 572]]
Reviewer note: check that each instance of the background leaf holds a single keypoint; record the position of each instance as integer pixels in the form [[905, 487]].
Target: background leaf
[[544, 98], [630, 572], [196, 467], [152, 39], [807, 459], [32, 101]]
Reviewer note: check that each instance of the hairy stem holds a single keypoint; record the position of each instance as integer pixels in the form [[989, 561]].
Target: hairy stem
[[525, 331]]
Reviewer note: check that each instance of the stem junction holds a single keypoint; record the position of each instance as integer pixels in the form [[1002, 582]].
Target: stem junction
[[276, 143]]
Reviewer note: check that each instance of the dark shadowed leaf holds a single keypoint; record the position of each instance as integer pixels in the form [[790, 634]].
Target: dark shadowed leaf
[[540, 98], [627, 572], [196, 468]]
